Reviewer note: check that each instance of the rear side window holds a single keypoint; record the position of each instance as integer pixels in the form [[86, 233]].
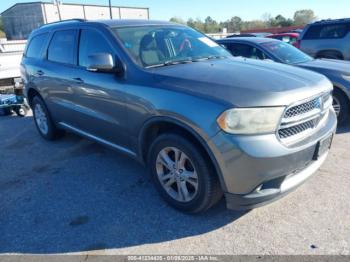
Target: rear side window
[[62, 47], [36, 45], [332, 31], [91, 42]]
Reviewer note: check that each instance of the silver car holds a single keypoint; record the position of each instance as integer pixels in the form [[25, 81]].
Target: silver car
[[327, 39]]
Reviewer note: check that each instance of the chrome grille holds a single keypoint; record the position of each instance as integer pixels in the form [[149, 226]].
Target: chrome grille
[[301, 119], [302, 109], [294, 130]]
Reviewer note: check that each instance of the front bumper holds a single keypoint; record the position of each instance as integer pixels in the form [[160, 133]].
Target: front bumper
[[256, 170]]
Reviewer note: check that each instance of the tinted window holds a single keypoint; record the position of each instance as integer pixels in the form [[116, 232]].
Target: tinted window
[[159, 46], [36, 45], [62, 47], [246, 51], [91, 42], [327, 31], [285, 52]]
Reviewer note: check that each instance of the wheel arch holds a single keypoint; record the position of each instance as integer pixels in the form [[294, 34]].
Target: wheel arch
[[31, 93], [342, 89], [159, 125], [333, 51]]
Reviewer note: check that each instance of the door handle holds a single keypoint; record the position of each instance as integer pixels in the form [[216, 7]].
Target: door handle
[[40, 73], [78, 80]]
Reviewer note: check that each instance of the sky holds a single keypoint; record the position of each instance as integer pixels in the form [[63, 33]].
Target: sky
[[222, 10]]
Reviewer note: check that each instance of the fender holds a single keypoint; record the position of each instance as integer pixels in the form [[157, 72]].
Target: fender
[[197, 134]]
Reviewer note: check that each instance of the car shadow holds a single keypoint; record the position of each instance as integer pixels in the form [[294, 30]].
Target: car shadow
[[74, 195]]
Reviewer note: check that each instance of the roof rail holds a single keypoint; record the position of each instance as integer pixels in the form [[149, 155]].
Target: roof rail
[[67, 20], [332, 20]]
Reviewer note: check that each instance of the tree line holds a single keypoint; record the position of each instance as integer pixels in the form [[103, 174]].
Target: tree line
[[237, 24]]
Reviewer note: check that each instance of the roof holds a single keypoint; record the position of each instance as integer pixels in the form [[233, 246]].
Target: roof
[[109, 23], [256, 40], [332, 21], [131, 22], [46, 2]]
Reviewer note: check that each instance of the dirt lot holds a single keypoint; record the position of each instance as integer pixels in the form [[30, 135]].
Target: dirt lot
[[75, 196]]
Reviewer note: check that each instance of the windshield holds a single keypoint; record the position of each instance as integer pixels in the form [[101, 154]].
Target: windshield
[[152, 46], [286, 53]]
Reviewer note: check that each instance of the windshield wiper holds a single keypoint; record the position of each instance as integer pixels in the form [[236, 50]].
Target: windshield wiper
[[186, 61], [198, 59], [170, 62]]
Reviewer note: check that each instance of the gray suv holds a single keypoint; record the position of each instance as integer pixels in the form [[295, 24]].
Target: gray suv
[[204, 124], [327, 39]]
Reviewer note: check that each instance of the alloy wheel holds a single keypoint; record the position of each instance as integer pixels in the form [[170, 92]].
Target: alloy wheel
[[336, 105], [177, 174], [41, 119]]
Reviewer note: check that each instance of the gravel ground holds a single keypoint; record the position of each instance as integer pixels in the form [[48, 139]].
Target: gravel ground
[[74, 196]]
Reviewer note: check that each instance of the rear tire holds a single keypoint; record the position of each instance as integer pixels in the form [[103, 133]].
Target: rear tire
[[341, 106], [43, 120], [330, 55], [189, 184]]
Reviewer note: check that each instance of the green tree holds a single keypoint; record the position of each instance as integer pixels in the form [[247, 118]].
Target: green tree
[[211, 26], [196, 24], [302, 17], [177, 20], [234, 24], [281, 21]]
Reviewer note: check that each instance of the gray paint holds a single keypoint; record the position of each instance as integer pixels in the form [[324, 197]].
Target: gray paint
[[116, 110]]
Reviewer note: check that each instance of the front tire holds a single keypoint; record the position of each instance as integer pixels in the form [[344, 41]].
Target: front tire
[[341, 106], [43, 120], [182, 174]]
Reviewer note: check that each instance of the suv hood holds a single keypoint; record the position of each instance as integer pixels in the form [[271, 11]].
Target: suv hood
[[243, 82]]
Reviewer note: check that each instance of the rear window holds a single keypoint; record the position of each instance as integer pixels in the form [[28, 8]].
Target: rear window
[[327, 31], [36, 45], [62, 47]]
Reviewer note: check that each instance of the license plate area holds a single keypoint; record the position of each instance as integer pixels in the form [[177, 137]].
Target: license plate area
[[323, 146]]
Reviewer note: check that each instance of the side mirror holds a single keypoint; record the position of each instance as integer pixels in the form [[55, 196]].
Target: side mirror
[[103, 62]]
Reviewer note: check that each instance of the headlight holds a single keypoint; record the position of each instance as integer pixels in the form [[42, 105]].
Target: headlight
[[250, 120]]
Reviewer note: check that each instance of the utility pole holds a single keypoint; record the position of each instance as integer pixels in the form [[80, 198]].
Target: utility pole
[[110, 9], [58, 3]]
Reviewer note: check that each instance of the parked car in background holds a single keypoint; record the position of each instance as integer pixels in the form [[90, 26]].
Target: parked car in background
[[327, 39], [290, 38], [204, 123], [270, 49]]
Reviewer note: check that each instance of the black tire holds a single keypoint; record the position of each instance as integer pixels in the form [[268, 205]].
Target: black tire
[[330, 55], [343, 101], [52, 131], [21, 111], [6, 111], [208, 191]]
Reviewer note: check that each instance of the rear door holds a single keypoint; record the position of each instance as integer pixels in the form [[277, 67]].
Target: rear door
[[32, 61], [57, 77]]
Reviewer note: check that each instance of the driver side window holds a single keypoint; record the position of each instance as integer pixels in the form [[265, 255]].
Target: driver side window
[[247, 51], [91, 42]]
